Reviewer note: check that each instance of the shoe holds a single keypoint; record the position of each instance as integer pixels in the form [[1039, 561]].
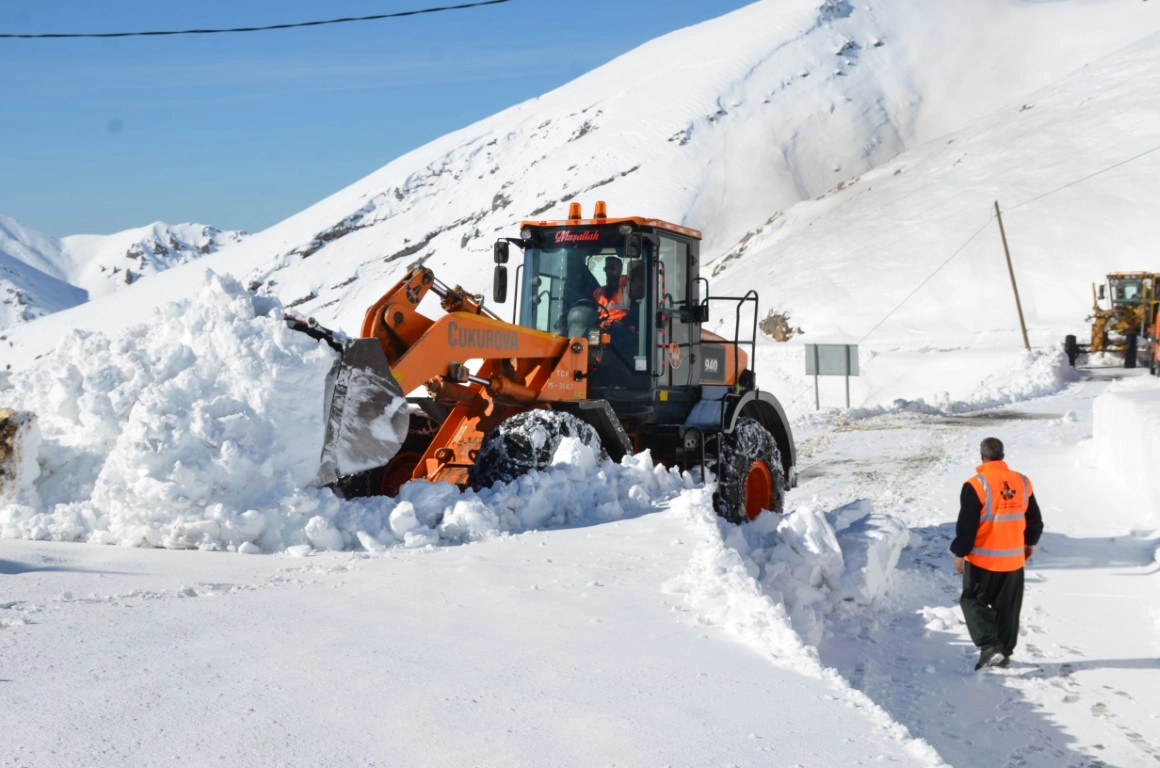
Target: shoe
[[989, 656], [1005, 662]]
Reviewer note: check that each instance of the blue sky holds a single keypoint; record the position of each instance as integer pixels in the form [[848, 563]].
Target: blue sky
[[242, 130]]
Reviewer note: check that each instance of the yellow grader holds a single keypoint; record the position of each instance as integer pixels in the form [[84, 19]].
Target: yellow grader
[[1123, 310]]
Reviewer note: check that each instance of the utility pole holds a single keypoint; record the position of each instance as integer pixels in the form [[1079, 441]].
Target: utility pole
[[1011, 271]]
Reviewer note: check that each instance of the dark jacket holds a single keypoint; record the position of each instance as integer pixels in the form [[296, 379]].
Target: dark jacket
[[971, 509]]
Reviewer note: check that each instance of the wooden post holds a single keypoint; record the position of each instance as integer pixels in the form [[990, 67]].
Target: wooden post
[[1011, 271], [849, 350]]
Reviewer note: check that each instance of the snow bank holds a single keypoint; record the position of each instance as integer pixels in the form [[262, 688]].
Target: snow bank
[[871, 546], [576, 489], [1126, 437], [203, 429], [770, 582], [806, 564], [196, 428], [1030, 374], [722, 583], [980, 381]]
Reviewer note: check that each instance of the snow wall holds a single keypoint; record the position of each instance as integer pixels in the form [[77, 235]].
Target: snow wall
[[1126, 434]]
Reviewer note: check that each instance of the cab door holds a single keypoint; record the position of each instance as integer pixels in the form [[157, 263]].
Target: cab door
[[676, 297]]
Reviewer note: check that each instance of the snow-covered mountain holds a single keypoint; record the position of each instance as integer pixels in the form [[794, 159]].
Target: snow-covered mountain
[[40, 275], [731, 126], [789, 133]]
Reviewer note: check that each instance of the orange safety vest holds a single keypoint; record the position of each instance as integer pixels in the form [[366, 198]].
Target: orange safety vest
[[613, 308], [1004, 495]]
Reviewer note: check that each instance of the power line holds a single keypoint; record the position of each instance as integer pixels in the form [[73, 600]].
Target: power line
[[971, 238], [376, 17], [1060, 188], [1085, 178], [928, 279]]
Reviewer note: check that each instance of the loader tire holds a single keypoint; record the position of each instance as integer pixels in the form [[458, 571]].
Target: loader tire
[[750, 477], [525, 442]]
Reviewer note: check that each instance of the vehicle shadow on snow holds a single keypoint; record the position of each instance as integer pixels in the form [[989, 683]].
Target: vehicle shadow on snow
[[1042, 668], [15, 568], [1058, 551]]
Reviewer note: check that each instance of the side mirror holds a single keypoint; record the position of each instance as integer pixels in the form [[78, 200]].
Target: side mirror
[[500, 252], [694, 314], [499, 282], [632, 247]]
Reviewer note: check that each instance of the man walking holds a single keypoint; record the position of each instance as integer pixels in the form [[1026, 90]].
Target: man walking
[[998, 527]]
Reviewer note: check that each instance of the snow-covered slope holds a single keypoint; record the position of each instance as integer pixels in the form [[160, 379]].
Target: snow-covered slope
[[40, 275], [1073, 168], [727, 127], [31, 282], [103, 263], [732, 122]]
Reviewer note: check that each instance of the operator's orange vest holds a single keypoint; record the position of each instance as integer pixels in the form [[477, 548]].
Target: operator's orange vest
[[1004, 495], [613, 308]]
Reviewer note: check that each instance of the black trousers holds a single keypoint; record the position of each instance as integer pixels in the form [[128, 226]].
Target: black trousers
[[991, 602]]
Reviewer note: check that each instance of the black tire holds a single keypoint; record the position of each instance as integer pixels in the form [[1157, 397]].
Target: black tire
[[525, 442], [750, 476], [1071, 349], [1130, 343]]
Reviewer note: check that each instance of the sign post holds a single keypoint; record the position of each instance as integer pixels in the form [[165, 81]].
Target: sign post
[[831, 360]]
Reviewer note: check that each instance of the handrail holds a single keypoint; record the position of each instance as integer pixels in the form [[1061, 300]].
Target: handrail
[[751, 342]]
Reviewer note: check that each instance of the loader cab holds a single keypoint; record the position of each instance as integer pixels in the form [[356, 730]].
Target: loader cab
[[629, 286], [588, 282]]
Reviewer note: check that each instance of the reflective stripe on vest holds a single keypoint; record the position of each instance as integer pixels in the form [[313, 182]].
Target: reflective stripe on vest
[[997, 553], [1004, 496]]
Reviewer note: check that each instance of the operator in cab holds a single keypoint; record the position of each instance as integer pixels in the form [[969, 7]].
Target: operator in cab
[[613, 295]]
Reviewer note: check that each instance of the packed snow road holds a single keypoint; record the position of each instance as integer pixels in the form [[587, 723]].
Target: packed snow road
[[1083, 688]]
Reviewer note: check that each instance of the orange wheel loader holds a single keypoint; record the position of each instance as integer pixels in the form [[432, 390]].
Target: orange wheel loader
[[605, 344]]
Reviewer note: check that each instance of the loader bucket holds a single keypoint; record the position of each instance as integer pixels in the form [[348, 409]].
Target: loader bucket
[[367, 414]]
